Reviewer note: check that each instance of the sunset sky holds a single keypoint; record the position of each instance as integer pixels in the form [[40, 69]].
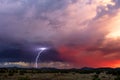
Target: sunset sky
[[76, 33]]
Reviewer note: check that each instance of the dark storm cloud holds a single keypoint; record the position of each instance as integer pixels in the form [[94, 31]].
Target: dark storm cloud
[[26, 55], [28, 19]]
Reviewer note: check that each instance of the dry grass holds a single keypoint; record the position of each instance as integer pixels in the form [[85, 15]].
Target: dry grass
[[55, 76], [33, 74]]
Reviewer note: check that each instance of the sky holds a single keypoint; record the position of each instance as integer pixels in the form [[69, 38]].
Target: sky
[[76, 33]]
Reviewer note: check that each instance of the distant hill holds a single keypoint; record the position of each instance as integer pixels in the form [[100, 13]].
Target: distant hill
[[47, 68]]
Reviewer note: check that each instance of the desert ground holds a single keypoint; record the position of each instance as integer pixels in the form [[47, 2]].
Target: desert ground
[[55, 74]]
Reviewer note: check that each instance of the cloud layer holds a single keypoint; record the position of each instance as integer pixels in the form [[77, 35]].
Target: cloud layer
[[81, 31]]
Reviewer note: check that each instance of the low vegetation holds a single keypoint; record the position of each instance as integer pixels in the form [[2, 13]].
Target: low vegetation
[[59, 74]]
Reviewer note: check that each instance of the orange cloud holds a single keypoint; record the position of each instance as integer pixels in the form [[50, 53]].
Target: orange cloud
[[97, 53], [80, 57]]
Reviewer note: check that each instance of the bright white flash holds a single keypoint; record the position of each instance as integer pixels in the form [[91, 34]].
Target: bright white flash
[[39, 53], [42, 48]]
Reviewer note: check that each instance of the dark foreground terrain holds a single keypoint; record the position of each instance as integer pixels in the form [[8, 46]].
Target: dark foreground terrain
[[59, 74]]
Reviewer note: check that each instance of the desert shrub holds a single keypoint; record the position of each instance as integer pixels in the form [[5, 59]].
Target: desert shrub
[[63, 78], [5, 75], [113, 72], [103, 77], [96, 77], [73, 73], [98, 72], [2, 71], [10, 74], [23, 78], [117, 78], [21, 73]]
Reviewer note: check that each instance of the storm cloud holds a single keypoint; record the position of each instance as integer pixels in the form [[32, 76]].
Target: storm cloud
[[74, 29]]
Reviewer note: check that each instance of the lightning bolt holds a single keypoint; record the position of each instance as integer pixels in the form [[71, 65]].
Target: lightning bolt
[[36, 60]]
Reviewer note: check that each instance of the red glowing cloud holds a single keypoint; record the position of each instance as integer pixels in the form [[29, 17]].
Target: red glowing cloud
[[80, 57]]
